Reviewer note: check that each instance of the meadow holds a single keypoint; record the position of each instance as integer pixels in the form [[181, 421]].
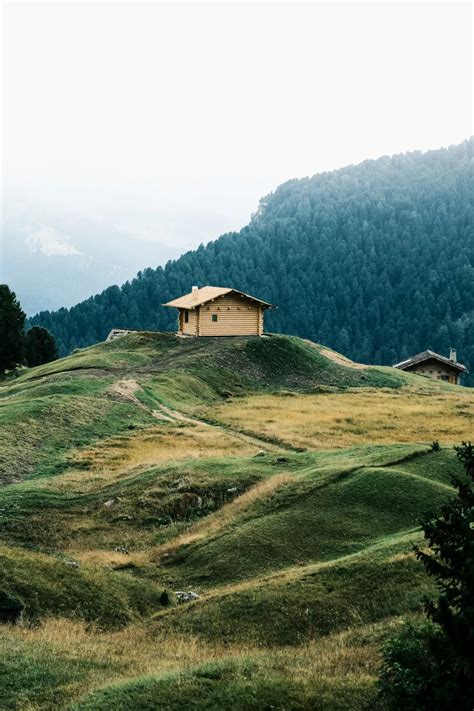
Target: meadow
[[357, 416], [279, 481]]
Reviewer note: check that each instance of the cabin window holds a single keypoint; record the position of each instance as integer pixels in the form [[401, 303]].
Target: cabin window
[[186, 317], [214, 318], [445, 377]]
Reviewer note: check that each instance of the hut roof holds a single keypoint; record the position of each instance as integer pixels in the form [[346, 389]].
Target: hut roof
[[209, 293], [427, 355]]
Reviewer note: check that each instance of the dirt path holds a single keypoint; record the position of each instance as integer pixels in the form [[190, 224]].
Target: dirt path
[[127, 388], [169, 415]]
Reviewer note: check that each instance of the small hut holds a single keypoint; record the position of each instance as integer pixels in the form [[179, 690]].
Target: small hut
[[434, 366], [219, 311]]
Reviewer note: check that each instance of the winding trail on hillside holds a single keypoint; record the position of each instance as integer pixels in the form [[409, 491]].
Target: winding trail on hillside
[[126, 389], [171, 415]]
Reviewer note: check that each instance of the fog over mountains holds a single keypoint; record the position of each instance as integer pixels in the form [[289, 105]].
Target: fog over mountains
[[56, 251]]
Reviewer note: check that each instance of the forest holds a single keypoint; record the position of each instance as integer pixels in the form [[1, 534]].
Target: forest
[[374, 260]]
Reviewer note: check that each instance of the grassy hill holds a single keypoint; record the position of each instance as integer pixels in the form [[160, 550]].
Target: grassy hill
[[278, 480]]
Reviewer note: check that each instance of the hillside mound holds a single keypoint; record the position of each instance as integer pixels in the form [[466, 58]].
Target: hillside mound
[[226, 365], [272, 361], [280, 484]]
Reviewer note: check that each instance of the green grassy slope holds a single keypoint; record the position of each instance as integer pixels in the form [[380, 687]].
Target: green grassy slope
[[114, 491], [146, 501], [273, 361], [60, 406], [44, 585], [42, 420], [321, 514], [309, 601]]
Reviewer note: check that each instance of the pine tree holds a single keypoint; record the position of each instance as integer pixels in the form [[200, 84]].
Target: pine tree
[[450, 536], [40, 346], [430, 666], [12, 319]]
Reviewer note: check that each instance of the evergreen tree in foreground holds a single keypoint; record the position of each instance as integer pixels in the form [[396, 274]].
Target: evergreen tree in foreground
[[40, 346], [12, 319], [451, 539], [431, 666]]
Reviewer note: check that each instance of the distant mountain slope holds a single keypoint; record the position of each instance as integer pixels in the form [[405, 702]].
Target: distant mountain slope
[[375, 260]]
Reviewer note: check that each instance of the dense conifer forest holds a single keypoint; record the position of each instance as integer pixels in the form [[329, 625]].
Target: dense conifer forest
[[374, 260]]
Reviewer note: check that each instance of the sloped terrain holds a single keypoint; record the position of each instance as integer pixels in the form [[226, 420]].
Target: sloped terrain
[[280, 483]]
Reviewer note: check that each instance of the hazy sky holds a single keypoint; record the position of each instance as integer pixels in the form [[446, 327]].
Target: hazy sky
[[115, 108]]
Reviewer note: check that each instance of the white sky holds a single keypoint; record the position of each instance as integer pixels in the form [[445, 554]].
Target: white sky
[[209, 102]]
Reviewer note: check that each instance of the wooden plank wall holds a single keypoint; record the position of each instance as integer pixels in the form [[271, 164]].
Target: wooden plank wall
[[434, 370], [190, 328], [236, 316]]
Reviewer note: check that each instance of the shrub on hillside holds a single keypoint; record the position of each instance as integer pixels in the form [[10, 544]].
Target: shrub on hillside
[[410, 669], [40, 347], [11, 607], [432, 666]]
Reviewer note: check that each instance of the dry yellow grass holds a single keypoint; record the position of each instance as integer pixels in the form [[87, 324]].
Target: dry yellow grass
[[340, 359], [133, 651], [113, 458], [137, 650], [333, 658], [359, 416], [135, 645], [99, 557]]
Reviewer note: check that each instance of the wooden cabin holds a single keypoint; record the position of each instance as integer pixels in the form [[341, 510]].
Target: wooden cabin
[[434, 366], [219, 311]]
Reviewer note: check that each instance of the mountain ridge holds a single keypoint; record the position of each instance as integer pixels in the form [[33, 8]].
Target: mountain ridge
[[375, 260]]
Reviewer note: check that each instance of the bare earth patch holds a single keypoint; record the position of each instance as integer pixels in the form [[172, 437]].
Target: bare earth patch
[[342, 360], [125, 390]]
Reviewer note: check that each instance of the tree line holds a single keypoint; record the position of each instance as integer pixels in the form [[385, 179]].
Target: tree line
[[34, 347], [374, 260]]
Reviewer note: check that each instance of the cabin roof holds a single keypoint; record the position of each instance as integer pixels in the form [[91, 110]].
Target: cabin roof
[[427, 355], [209, 293]]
